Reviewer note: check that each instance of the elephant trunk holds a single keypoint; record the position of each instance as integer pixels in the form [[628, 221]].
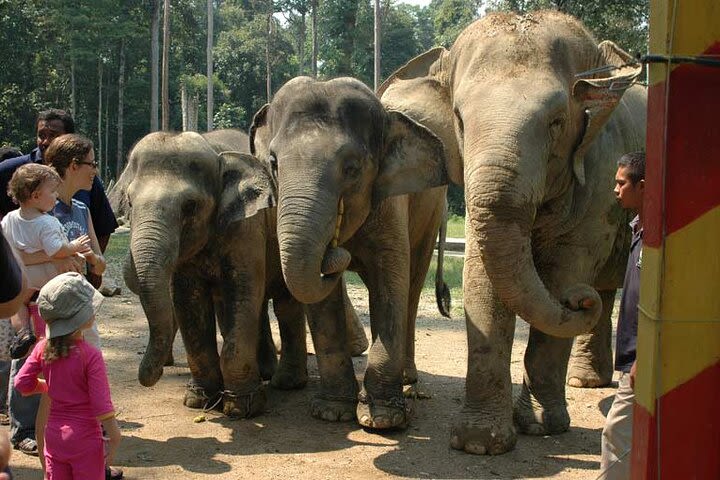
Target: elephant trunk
[[311, 263], [502, 211], [155, 251]]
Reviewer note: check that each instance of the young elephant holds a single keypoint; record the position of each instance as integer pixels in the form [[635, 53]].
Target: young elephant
[[203, 247], [534, 114], [344, 165]]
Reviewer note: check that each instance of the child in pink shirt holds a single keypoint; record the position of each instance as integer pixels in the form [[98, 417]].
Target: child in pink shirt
[[76, 381]]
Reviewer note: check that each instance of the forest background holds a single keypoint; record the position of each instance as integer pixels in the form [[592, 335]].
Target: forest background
[[101, 59]]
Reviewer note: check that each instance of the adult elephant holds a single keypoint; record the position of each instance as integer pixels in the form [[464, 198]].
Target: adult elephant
[[534, 114], [203, 248], [351, 176]]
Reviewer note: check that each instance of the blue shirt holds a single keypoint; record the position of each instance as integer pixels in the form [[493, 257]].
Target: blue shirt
[[96, 199], [73, 218], [626, 336]]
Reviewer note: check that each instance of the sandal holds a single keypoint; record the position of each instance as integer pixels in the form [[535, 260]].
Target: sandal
[[28, 446], [113, 473]]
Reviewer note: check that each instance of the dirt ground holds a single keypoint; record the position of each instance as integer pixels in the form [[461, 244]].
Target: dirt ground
[[161, 440]]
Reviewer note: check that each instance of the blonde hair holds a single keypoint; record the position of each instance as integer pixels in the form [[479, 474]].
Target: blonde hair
[[29, 178]]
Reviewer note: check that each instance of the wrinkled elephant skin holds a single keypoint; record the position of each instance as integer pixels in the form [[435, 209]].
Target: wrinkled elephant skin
[[536, 147], [203, 254], [355, 191]]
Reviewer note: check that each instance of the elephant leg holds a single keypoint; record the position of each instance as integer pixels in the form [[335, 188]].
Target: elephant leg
[[541, 408], [485, 424], [170, 359], [381, 402], [419, 265], [291, 372], [242, 292], [591, 362], [195, 315], [356, 333], [337, 398], [267, 353]]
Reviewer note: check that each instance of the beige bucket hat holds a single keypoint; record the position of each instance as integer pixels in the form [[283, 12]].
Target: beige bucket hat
[[66, 302]]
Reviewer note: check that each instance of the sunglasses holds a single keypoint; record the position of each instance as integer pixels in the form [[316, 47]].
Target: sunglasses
[[92, 164]]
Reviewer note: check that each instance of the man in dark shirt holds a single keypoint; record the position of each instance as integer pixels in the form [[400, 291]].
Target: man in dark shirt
[[616, 439], [50, 125]]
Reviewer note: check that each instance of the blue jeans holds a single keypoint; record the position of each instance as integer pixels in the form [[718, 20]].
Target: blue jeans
[[22, 410], [4, 382]]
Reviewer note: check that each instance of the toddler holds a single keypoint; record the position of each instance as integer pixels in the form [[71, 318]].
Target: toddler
[[75, 380], [30, 229]]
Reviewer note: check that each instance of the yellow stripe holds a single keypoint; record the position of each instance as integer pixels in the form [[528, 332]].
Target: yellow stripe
[[696, 28], [680, 337]]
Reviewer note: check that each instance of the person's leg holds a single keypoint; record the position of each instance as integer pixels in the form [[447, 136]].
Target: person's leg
[[22, 410], [616, 440], [40, 422], [4, 381], [91, 464]]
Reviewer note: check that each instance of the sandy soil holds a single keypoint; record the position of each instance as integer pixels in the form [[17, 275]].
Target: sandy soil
[[162, 441]]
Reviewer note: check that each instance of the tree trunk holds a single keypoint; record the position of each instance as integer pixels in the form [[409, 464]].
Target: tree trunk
[[184, 106], [301, 45], [314, 38], [268, 78], [154, 65], [100, 158], [121, 90], [210, 100], [107, 130], [376, 62], [73, 97], [166, 68]]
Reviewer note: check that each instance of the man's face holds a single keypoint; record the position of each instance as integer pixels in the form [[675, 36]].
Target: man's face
[[47, 131], [628, 194]]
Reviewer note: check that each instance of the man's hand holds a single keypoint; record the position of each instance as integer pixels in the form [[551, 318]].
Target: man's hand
[[74, 263], [633, 372]]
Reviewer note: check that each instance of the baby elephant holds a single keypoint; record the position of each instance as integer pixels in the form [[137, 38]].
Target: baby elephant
[[203, 248]]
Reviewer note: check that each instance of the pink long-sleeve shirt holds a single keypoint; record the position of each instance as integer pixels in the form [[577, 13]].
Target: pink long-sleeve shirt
[[77, 385]]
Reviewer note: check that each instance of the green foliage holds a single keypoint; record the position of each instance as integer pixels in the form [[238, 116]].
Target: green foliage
[[456, 226], [44, 41]]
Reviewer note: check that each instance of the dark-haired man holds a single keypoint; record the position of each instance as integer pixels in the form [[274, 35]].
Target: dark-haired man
[[50, 125], [616, 439]]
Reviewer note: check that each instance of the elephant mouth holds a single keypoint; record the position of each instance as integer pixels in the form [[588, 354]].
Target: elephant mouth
[[336, 259]]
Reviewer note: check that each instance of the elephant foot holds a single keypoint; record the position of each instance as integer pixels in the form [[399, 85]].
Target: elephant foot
[[169, 360], [236, 405], [289, 378], [333, 409], [384, 414], [359, 344], [584, 374], [197, 397], [410, 376], [482, 434], [533, 418]]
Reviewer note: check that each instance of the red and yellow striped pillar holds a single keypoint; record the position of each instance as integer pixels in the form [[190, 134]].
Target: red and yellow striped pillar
[[676, 431]]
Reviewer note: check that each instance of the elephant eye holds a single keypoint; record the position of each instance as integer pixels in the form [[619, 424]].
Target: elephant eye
[[272, 159], [556, 127], [351, 168], [190, 207]]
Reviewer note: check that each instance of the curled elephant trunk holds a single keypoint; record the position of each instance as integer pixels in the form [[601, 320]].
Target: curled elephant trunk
[[154, 255], [311, 264], [502, 218]]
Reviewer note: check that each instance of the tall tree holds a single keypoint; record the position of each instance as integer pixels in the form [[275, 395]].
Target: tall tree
[[121, 111], [210, 100], [154, 64], [166, 68]]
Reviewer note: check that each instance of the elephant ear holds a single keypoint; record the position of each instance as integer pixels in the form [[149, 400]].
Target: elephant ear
[[259, 140], [246, 189], [413, 159], [420, 90], [599, 97], [117, 195]]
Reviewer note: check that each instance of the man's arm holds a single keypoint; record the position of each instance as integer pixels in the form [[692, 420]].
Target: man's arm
[[14, 285]]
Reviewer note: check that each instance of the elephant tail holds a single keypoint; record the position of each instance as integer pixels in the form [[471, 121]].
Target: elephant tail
[[442, 292]]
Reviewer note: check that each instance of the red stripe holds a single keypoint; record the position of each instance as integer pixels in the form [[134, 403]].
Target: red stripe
[[692, 180], [689, 435]]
